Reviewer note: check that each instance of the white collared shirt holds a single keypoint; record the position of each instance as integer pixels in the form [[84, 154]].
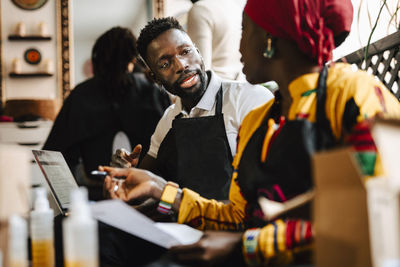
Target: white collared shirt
[[237, 100]]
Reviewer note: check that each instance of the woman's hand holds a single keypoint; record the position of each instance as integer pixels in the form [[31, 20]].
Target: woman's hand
[[138, 184], [213, 248]]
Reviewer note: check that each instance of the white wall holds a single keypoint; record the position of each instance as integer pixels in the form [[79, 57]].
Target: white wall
[[176, 7], [36, 88], [361, 27], [93, 18]]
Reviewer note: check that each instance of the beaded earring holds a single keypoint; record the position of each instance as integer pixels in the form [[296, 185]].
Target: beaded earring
[[270, 49]]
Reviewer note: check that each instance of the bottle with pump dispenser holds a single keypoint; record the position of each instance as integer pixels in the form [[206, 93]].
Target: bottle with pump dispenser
[[42, 231], [80, 235], [18, 242]]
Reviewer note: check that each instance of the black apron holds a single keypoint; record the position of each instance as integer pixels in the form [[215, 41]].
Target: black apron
[[196, 154], [286, 171]]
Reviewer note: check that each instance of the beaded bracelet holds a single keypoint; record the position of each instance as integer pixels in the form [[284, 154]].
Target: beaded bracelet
[[281, 235], [270, 231], [250, 247]]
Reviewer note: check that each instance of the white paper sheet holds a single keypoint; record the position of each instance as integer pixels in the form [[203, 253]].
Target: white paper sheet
[[120, 215], [185, 235]]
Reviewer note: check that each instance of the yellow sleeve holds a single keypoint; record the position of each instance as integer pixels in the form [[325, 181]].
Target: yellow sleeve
[[202, 213]]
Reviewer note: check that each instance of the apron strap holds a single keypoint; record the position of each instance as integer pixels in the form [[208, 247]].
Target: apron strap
[[218, 105], [180, 115]]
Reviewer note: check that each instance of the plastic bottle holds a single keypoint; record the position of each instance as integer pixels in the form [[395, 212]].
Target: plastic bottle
[[80, 235], [42, 231], [18, 242]]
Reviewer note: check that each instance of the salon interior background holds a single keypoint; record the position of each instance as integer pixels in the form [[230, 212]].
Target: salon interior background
[[89, 18]]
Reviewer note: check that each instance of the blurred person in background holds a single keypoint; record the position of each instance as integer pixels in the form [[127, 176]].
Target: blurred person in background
[[214, 27], [118, 105]]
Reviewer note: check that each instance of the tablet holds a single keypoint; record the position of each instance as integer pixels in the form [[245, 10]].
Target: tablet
[[58, 176]]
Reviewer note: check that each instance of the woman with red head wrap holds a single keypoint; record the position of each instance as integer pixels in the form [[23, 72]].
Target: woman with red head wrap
[[312, 25], [316, 107]]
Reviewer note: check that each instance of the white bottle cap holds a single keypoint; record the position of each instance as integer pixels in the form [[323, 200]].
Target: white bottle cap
[[41, 202], [79, 203], [18, 226], [18, 236]]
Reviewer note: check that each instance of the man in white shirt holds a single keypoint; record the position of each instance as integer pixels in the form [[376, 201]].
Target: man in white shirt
[[215, 28], [195, 140]]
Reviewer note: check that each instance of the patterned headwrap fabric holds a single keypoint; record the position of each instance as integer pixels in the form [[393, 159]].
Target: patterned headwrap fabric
[[311, 24]]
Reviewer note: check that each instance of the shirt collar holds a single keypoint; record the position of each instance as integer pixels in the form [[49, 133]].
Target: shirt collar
[[208, 100]]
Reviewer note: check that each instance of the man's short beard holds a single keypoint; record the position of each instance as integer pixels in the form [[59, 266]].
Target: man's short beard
[[198, 93]]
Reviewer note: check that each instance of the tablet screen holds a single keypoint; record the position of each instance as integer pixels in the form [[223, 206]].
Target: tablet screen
[[58, 175]]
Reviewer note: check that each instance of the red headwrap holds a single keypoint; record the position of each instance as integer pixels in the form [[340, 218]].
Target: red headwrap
[[311, 24]]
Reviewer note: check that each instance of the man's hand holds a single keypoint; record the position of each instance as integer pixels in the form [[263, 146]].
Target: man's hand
[[213, 248], [123, 159], [138, 184]]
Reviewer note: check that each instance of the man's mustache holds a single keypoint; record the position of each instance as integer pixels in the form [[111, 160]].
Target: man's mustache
[[186, 74]]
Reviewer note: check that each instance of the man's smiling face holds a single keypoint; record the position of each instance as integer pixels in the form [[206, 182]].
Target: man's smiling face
[[177, 64]]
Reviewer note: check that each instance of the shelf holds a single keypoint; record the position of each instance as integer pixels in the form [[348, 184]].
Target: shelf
[[30, 74], [29, 38]]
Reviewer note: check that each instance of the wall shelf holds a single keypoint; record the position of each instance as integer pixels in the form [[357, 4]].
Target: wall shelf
[[30, 74], [29, 38]]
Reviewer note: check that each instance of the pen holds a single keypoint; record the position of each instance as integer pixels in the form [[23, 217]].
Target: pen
[[103, 174], [99, 173]]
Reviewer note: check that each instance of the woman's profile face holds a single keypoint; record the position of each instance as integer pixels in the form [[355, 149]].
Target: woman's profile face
[[252, 46]]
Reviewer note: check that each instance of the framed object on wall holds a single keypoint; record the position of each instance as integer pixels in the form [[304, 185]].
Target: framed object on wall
[[61, 60], [29, 4], [63, 23], [63, 64], [32, 56]]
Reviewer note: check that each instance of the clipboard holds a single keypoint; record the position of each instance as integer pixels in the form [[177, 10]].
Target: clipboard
[[58, 176]]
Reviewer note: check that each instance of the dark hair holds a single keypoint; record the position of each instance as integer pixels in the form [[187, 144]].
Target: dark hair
[[152, 30], [111, 54]]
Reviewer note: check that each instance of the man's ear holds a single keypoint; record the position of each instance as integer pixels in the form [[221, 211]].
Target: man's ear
[[154, 78]]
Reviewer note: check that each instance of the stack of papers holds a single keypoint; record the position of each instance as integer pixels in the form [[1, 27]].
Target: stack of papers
[[122, 216]]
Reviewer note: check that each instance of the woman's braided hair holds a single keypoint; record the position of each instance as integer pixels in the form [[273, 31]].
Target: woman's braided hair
[[111, 54]]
